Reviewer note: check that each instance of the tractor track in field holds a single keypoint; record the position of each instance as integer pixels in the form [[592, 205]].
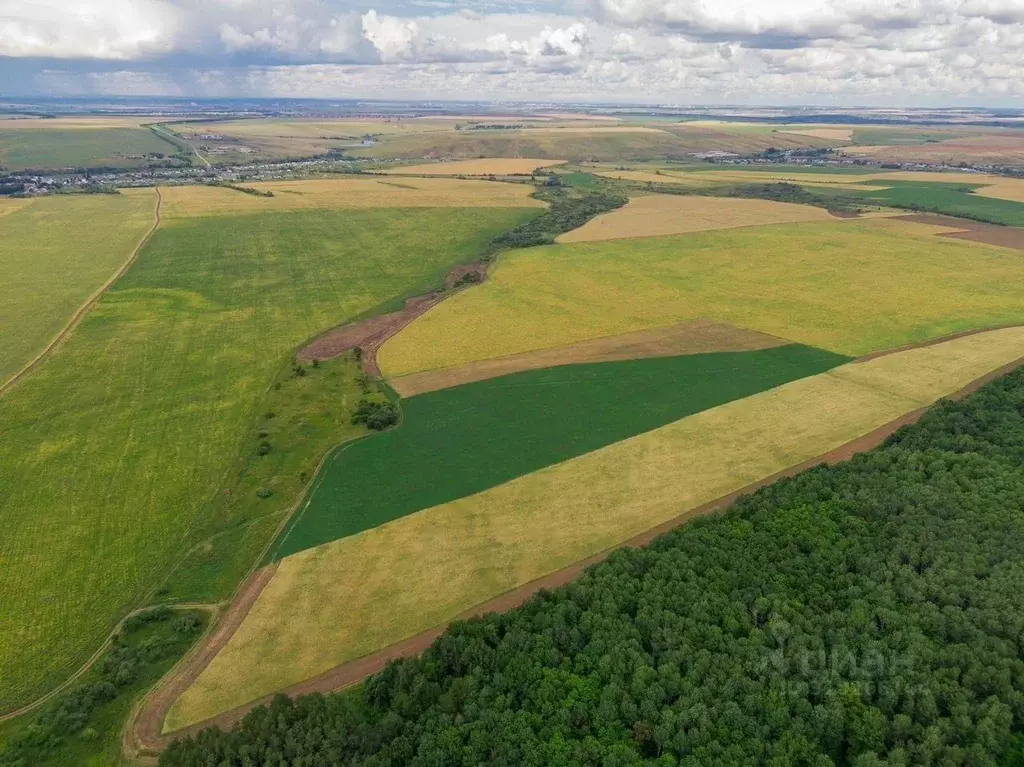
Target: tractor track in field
[[83, 310], [143, 735]]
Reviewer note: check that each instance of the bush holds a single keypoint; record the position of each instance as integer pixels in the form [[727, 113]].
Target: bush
[[375, 415], [263, 448], [264, 492]]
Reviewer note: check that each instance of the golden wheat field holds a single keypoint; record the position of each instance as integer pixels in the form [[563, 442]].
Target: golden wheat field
[[657, 214], [191, 201], [345, 599], [853, 286]]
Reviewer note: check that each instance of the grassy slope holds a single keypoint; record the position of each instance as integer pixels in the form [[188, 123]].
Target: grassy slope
[[54, 253], [463, 440], [112, 448], [348, 598], [853, 287], [102, 746], [54, 148]]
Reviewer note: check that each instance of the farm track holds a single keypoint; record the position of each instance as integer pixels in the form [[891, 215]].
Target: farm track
[[372, 333], [83, 310], [144, 732]]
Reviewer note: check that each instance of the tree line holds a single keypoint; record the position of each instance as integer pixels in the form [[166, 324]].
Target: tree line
[[868, 613]]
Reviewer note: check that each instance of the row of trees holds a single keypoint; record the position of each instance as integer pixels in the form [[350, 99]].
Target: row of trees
[[870, 613]]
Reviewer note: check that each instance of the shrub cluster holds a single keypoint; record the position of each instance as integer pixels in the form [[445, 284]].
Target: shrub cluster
[[121, 667], [375, 415], [863, 614], [564, 214]]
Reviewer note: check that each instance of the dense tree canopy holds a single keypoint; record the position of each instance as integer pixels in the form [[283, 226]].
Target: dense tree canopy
[[863, 614]]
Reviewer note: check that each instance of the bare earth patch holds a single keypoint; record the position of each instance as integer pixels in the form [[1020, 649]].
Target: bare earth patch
[[685, 338], [974, 231], [661, 214], [485, 167]]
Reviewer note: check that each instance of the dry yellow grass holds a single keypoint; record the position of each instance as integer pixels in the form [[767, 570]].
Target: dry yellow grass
[[11, 204], [711, 178], [1004, 189], [189, 201], [839, 134], [590, 130], [852, 286], [484, 167], [78, 123], [643, 176], [662, 214], [345, 599], [684, 338]]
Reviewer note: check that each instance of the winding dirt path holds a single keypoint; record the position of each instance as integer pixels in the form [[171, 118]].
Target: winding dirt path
[[143, 734], [372, 333], [82, 310]]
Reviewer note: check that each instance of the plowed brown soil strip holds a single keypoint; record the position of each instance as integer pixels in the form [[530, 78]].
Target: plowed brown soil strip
[[975, 231], [676, 340], [145, 732], [370, 334]]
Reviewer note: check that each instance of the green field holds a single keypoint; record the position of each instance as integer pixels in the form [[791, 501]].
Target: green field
[[853, 287], [55, 252], [456, 442], [950, 199], [79, 147], [113, 448]]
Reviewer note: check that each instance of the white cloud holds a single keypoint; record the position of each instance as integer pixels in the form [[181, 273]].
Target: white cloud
[[97, 29], [391, 36], [896, 51]]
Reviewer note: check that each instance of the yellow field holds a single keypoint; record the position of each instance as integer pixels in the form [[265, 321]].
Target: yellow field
[[345, 599], [645, 177], [675, 340], [78, 123], [851, 287], [483, 167], [839, 134], [591, 129], [1005, 189], [190, 201], [663, 214], [11, 204]]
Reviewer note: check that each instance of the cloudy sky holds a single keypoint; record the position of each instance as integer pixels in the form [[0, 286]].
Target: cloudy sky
[[843, 52]]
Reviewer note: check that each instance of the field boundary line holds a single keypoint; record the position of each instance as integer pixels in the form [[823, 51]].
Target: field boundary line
[[355, 671], [82, 310]]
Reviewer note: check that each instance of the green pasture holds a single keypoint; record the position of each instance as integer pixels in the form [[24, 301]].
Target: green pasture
[[79, 147], [907, 136], [459, 441], [306, 412], [114, 448], [55, 252], [950, 199]]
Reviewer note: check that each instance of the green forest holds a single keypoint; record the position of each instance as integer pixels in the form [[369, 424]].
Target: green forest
[[868, 613]]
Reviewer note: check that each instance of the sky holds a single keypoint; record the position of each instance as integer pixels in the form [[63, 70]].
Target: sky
[[825, 52]]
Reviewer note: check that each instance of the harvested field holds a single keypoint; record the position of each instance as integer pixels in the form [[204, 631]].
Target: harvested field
[[836, 134], [1004, 189], [352, 193], [850, 286], [662, 214], [494, 166], [1003, 147], [343, 600], [965, 229], [685, 338], [463, 440], [593, 130], [650, 177]]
